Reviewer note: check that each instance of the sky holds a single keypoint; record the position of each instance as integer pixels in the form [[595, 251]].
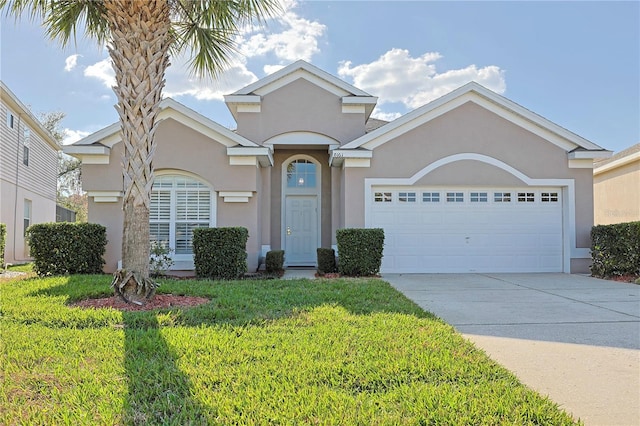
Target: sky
[[575, 63]]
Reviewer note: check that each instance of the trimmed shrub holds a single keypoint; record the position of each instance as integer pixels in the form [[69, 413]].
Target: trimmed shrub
[[274, 261], [220, 253], [615, 249], [360, 251], [3, 233], [326, 260], [67, 248]]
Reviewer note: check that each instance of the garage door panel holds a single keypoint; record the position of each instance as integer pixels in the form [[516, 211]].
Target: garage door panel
[[470, 236]]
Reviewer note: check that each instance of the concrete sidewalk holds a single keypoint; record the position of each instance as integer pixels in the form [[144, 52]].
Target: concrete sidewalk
[[573, 338]]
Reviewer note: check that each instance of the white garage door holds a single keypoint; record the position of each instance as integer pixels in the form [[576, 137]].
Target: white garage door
[[469, 229]]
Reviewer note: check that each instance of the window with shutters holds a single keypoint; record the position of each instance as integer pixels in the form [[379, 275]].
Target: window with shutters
[[179, 204]]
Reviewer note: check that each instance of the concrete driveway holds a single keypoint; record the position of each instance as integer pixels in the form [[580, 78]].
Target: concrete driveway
[[571, 337]]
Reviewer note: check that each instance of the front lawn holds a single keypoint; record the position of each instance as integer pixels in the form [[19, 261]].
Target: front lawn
[[337, 352]]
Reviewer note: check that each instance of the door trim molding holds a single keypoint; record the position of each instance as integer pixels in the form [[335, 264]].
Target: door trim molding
[[285, 193]]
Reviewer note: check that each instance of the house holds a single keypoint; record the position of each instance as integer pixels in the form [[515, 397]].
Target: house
[[28, 174], [470, 182], [616, 187]]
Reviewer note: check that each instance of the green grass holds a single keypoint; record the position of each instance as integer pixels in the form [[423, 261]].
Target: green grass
[[25, 267], [330, 352]]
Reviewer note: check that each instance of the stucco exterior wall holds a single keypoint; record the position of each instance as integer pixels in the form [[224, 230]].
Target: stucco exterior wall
[[483, 133], [176, 145], [617, 194], [301, 106]]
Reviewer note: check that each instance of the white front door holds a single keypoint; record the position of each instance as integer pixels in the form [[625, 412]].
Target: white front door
[[301, 230]]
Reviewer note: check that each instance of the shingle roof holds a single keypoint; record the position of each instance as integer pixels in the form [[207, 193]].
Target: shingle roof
[[374, 123], [624, 153]]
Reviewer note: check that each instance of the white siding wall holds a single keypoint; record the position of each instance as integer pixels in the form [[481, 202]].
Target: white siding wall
[[35, 182]]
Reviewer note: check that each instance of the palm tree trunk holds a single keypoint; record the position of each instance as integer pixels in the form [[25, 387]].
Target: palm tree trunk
[[139, 46]]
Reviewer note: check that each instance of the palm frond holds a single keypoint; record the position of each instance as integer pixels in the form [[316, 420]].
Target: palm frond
[[207, 30], [62, 18]]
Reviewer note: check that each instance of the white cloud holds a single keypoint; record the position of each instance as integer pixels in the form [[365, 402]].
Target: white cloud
[[386, 116], [103, 71], [71, 136], [270, 69], [398, 77], [180, 82], [297, 38], [71, 62]]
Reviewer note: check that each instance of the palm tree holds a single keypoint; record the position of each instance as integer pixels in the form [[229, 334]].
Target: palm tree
[[140, 36]]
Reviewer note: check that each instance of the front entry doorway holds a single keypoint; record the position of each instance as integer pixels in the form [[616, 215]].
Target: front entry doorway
[[300, 215], [301, 230]]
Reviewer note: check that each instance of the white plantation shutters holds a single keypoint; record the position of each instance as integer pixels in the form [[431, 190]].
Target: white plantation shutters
[[179, 204]]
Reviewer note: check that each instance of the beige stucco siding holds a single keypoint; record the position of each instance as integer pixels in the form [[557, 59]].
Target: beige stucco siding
[[176, 146], [301, 106], [471, 129], [617, 194]]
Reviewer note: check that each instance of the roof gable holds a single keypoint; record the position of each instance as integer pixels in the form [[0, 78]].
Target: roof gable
[[474, 92], [170, 108], [248, 98], [95, 148], [12, 102], [301, 69]]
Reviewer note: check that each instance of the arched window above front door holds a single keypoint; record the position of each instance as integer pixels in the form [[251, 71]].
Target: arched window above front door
[[301, 174]]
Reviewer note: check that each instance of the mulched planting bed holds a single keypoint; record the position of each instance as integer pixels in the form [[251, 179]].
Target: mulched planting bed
[[159, 301]]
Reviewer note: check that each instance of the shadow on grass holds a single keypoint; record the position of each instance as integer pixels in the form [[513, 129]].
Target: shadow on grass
[[158, 392], [239, 303]]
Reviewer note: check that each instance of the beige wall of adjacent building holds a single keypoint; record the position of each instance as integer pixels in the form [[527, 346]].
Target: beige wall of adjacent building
[[616, 192]]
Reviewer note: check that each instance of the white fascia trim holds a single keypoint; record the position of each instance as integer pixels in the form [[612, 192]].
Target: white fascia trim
[[266, 85], [302, 74], [201, 124], [300, 138], [262, 153], [359, 100], [338, 155], [235, 196], [86, 150], [474, 92], [617, 163], [242, 99], [585, 163], [105, 196], [589, 155], [567, 185], [108, 133]]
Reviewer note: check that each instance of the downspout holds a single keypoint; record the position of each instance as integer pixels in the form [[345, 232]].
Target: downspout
[[15, 206]]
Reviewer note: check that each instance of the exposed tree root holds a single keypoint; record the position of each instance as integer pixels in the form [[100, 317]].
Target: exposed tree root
[[133, 288]]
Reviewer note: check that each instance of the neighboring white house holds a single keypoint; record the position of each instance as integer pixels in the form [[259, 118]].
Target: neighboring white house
[[28, 174]]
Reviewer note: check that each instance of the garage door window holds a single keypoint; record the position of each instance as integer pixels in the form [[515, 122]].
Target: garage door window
[[501, 197], [430, 197], [549, 197], [382, 197], [455, 197], [526, 197], [478, 197], [407, 197]]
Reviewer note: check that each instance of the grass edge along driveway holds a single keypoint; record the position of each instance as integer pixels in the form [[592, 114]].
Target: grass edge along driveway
[[346, 351]]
